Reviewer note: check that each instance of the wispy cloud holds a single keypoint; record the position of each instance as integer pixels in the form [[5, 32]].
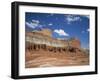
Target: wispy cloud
[[85, 31], [36, 21], [72, 18], [33, 24], [88, 29], [50, 24], [30, 25], [61, 32]]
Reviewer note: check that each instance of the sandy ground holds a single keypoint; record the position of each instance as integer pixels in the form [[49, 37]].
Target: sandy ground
[[42, 58]]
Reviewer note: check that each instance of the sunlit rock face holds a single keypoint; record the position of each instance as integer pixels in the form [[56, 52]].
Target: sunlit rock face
[[74, 42], [42, 50], [45, 37]]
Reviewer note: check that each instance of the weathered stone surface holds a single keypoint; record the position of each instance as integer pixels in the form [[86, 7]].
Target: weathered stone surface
[[44, 51]]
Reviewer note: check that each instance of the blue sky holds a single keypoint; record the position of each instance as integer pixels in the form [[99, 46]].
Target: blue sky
[[64, 26]]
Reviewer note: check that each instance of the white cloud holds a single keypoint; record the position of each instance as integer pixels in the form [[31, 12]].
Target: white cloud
[[35, 21], [30, 25], [40, 26], [50, 24], [72, 18], [33, 24], [83, 32], [88, 30], [61, 32]]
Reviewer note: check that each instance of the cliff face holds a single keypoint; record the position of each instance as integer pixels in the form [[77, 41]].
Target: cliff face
[[46, 32], [41, 50], [42, 38], [74, 42]]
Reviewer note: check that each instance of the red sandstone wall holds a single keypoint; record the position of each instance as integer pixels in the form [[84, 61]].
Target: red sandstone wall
[[75, 43]]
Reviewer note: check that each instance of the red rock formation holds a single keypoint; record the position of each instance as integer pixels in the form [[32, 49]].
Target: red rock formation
[[74, 42], [44, 51]]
